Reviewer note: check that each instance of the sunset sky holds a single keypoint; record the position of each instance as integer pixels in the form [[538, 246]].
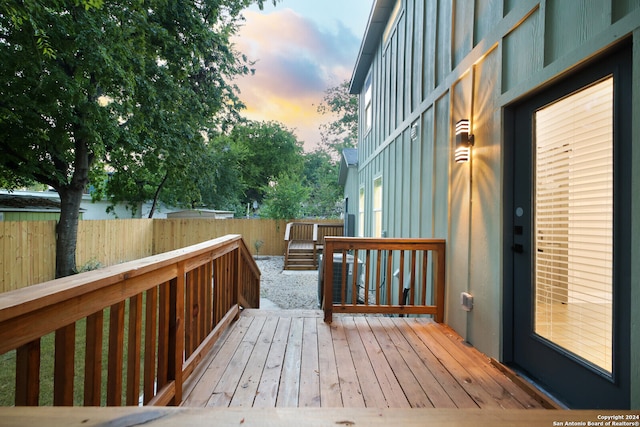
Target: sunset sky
[[301, 48]]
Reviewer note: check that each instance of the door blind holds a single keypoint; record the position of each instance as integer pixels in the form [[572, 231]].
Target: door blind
[[573, 253]]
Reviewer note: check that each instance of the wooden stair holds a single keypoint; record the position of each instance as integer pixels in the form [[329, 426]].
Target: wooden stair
[[305, 242], [301, 256]]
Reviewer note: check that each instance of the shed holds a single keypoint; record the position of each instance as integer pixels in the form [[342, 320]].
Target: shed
[[201, 213], [16, 207]]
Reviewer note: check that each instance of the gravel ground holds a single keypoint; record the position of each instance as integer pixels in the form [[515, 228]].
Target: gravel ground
[[286, 289]]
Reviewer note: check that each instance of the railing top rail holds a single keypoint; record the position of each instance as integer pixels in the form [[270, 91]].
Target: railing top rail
[[32, 298], [348, 243]]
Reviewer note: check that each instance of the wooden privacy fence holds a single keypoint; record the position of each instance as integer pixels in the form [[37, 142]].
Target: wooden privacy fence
[[387, 276], [169, 309], [28, 248]]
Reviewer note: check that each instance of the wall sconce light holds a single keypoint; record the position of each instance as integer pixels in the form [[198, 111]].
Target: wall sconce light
[[464, 142]]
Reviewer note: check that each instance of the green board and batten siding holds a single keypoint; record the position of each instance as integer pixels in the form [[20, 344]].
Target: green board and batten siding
[[445, 60]]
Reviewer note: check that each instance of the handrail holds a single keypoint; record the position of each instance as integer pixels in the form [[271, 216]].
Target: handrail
[[367, 284], [169, 309], [290, 229]]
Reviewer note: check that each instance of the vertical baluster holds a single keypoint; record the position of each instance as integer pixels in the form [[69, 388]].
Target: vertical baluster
[[28, 374], [401, 279], [412, 293], [133, 354], [176, 333], [202, 332], [389, 276], [343, 283], [379, 280], [64, 366], [439, 285], [150, 344], [367, 266], [216, 289], [93, 360], [327, 266], [193, 310], [163, 334], [354, 279], [116, 354], [208, 301], [237, 279], [425, 270], [188, 318]]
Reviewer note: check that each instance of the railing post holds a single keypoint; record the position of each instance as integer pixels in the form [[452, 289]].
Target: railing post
[[327, 281], [440, 282], [237, 280]]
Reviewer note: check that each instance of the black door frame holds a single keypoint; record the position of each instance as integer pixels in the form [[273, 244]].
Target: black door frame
[[616, 61]]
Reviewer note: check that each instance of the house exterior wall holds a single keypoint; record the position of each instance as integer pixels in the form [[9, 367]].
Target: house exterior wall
[[445, 60], [351, 191]]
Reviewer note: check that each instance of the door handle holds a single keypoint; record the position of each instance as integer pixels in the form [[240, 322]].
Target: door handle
[[517, 248]]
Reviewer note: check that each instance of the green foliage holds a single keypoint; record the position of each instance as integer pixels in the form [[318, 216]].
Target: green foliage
[[258, 244], [321, 176], [221, 184], [285, 199], [124, 86], [261, 151], [342, 131], [92, 264], [322, 167]]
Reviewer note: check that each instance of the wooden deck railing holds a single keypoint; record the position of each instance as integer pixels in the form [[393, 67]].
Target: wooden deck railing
[[167, 310], [386, 276], [305, 240], [320, 231]]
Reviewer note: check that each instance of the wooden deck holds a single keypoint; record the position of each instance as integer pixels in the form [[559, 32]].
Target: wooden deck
[[291, 359]]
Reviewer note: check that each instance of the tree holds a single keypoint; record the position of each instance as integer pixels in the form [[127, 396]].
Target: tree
[[220, 185], [85, 84], [264, 151], [342, 131], [285, 198], [321, 176]]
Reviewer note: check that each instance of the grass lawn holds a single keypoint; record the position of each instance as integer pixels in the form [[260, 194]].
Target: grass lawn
[[47, 346]]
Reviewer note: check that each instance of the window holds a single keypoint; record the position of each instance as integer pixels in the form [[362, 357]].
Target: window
[[368, 109], [574, 223], [377, 207], [361, 213]]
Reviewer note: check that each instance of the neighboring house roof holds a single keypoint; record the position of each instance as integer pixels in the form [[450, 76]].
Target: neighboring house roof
[[349, 159], [19, 203], [378, 18], [201, 213]]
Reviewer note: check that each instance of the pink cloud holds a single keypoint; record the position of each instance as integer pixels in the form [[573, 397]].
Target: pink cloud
[[296, 61]]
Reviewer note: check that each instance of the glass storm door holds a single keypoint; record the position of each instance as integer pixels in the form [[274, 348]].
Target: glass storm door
[[570, 317]]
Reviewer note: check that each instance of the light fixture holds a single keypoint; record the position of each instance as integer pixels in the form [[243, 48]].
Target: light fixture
[[464, 142]]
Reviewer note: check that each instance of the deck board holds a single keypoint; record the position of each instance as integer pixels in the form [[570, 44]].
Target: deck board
[[268, 389], [293, 359]]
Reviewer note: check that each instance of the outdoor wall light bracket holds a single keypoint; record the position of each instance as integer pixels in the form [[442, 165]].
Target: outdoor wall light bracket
[[464, 142]]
